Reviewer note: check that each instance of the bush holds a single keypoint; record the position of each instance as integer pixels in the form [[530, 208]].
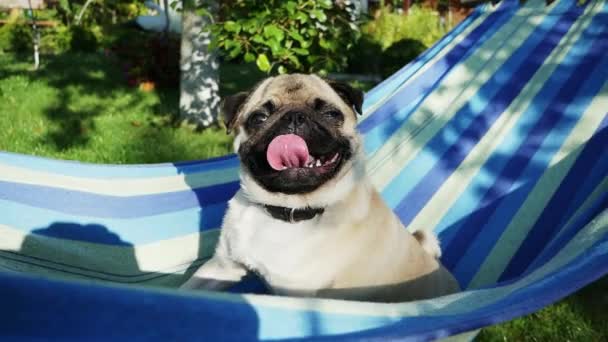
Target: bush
[[16, 36], [55, 40], [146, 56], [83, 39], [297, 35], [421, 24], [99, 12], [392, 40]]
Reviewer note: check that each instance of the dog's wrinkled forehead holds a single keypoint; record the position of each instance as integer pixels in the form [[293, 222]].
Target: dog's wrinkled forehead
[[294, 89]]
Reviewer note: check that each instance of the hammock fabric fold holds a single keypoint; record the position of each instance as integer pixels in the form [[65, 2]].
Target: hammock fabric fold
[[496, 138]]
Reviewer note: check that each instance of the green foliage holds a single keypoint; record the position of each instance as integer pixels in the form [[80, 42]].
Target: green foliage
[[83, 39], [16, 36], [391, 40], [421, 24], [286, 36], [99, 12], [95, 30], [59, 39], [55, 40], [65, 11]]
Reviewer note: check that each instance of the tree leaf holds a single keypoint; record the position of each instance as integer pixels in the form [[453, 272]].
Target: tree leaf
[[282, 70], [327, 44], [291, 7], [202, 12], [273, 31], [249, 57], [319, 15], [274, 46], [258, 39], [300, 51], [263, 63], [236, 50], [306, 44], [232, 26], [302, 17], [295, 35], [325, 4], [294, 60], [251, 26], [230, 44]]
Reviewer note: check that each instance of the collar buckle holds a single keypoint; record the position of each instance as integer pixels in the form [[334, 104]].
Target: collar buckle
[[291, 213]]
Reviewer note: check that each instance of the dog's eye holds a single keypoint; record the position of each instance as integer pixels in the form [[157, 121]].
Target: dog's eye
[[334, 115], [257, 118]]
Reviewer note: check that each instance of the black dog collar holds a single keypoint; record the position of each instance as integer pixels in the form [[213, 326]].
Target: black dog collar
[[293, 215]]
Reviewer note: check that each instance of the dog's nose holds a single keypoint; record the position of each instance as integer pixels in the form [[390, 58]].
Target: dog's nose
[[296, 118]]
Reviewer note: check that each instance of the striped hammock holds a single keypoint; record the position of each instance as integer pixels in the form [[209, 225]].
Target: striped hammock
[[496, 138]]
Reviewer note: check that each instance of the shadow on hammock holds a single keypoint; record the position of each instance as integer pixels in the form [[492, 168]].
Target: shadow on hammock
[[469, 241], [115, 261], [89, 251], [63, 250]]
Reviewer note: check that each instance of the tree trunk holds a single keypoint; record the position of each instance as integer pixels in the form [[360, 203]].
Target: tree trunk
[[81, 13], [36, 42], [363, 7], [199, 86], [406, 7]]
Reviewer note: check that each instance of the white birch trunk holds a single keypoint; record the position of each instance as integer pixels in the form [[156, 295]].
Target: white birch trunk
[[199, 86]]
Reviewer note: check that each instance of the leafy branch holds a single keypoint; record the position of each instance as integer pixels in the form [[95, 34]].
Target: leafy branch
[[287, 36]]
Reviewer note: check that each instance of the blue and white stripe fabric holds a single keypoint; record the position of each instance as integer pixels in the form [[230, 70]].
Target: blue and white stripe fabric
[[496, 138]]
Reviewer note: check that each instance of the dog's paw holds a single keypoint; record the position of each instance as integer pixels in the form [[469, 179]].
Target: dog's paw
[[429, 243]]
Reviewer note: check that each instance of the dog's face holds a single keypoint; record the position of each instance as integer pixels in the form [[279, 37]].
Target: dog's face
[[296, 134]]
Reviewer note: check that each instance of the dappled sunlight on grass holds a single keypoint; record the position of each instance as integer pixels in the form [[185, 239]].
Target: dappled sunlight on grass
[[79, 107]]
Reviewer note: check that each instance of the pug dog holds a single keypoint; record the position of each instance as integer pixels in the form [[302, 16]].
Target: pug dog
[[306, 218]]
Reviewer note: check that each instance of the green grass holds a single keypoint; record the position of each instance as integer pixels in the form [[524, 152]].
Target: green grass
[[580, 317], [77, 107]]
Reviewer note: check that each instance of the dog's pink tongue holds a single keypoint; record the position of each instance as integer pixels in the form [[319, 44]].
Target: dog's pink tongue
[[287, 151]]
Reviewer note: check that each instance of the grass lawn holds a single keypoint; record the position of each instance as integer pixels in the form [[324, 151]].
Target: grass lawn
[[580, 317], [78, 107]]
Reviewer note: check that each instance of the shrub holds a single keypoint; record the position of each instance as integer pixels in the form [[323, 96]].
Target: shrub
[[421, 24], [286, 36], [55, 40], [391, 40], [83, 39], [99, 12], [146, 56], [16, 36], [59, 39]]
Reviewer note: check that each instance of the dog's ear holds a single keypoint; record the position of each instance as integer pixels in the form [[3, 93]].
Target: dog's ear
[[231, 105], [350, 95]]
